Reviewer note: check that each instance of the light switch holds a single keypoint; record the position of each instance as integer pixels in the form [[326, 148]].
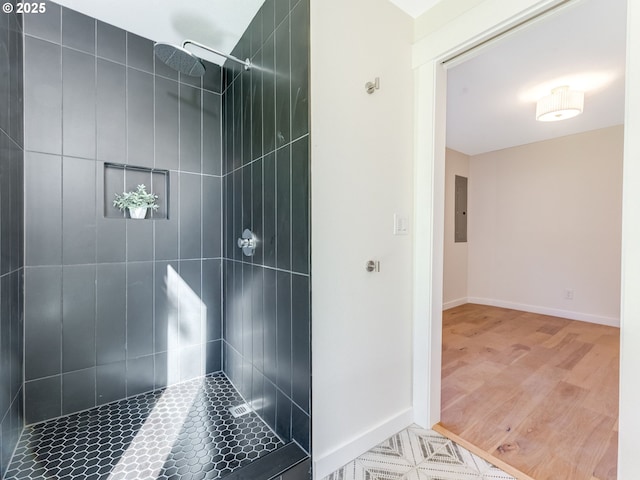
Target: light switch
[[400, 225]]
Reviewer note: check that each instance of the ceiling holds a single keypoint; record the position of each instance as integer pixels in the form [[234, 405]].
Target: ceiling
[[216, 23], [491, 98]]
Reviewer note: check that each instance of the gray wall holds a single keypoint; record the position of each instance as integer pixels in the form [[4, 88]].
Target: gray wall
[[266, 185], [11, 235], [115, 307]]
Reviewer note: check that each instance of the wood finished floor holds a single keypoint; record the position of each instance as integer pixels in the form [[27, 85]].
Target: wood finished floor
[[539, 393]]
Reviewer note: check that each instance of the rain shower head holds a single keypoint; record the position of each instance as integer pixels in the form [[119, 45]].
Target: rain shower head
[[182, 60], [179, 58]]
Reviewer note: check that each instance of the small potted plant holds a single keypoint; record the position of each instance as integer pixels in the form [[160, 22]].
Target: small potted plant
[[137, 202]]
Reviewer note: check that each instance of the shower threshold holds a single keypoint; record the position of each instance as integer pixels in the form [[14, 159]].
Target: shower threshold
[[181, 432]]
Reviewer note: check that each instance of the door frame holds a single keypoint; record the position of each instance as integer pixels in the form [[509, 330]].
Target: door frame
[[482, 23]]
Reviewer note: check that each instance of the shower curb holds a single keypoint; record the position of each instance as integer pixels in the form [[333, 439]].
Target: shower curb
[[273, 465]]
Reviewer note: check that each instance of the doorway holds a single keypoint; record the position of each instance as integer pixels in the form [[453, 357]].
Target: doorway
[[431, 78]]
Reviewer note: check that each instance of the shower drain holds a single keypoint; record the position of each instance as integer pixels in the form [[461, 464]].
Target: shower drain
[[239, 410]]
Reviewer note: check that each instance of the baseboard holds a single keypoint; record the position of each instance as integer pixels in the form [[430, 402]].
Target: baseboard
[[555, 312], [454, 303], [325, 464]]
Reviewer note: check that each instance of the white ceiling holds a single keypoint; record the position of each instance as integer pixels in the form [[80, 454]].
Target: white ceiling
[[491, 98], [415, 8], [216, 23]]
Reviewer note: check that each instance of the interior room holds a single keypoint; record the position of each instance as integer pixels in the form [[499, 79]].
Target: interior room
[[532, 250], [310, 185], [173, 344]]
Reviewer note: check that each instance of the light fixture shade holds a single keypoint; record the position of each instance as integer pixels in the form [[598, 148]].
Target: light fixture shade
[[560, 105]]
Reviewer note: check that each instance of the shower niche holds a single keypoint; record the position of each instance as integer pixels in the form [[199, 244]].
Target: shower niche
[[119, 178]]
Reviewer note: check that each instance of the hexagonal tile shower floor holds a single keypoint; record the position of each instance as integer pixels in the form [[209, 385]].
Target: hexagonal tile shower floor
[[181, 432]]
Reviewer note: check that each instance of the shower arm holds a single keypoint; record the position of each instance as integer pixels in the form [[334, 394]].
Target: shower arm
[[246, 63]]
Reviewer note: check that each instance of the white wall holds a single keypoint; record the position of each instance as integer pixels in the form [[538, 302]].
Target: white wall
[[454, 289], [361, 174], [544, 218]]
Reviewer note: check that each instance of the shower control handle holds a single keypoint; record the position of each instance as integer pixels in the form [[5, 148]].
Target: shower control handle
[[247, 243]]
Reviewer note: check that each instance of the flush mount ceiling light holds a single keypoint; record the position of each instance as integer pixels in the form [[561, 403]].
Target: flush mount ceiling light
[[560, 105]]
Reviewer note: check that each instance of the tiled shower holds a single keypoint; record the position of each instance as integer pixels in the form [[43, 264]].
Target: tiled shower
[[117, 310]]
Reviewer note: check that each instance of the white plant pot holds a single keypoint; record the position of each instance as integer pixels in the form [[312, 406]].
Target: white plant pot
[[138, 213]]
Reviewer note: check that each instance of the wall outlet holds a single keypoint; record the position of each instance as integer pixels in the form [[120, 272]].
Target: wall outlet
[[568, 294]]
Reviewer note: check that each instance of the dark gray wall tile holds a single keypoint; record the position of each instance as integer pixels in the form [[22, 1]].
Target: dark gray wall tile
[[78, 317], [111, 287], [78, 390], [256, 108], [281, 11], [256, 208], [269, 407], [111, 232], [269, 210], [213, 360], [139, 52], [43, 321], [211, 217], [212, 79], [283, 208], [193, 80], [6, 69], [42, 399], [111, 112], [212, 298], [139, 240], [283, 85], [79, 219], [139, 375], [111, 382], [257, 317], [190, 129], [238, 221], [45, 25], [247, 210], [300, 341], [79, 104], [43, 223], [245, 81], [300, 205], [256, 397], [139, 310], [270, 325], [300, 422], [283, 335], [139, 118], [162, 371], [5, 341], [190, 303], [78, 31], [191, 362], [300, 70], [111, 42], [166, 231], [42, 113], [190, 216], [269, 96], [16, 81], [283, 416], [247, 312], [212, 132], [166, 293], [236, 88], [166, 114]]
